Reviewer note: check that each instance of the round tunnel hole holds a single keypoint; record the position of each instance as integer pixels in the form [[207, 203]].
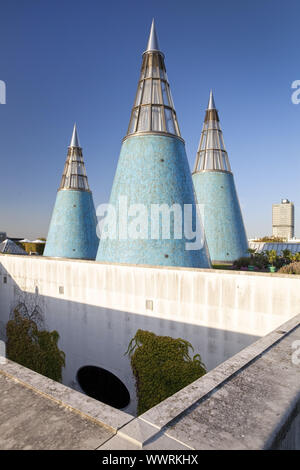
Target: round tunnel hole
[[104, 386]]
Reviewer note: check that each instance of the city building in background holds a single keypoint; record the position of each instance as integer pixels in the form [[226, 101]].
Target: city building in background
[[216, 193], [283, 219], [72, 231], [152, 169]]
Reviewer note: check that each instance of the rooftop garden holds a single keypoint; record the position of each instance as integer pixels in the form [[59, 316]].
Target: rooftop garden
[[269, 260]]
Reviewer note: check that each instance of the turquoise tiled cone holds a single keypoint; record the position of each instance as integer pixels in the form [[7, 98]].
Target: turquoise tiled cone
[[152, 169], [72, 231], [221, 215]]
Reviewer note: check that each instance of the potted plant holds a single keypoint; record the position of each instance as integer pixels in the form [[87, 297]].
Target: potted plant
[[272, 256], [251, 265]]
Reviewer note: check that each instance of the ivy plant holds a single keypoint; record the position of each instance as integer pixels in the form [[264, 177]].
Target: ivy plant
[[34, 348], [161, 366]]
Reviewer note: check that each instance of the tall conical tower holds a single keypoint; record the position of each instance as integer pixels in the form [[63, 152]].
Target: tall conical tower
[[72, 231], [152, 170], [216, 193]]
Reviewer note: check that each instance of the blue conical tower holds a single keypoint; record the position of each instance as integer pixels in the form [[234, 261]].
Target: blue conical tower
[[152, 176], [216, 193], [72, 231]]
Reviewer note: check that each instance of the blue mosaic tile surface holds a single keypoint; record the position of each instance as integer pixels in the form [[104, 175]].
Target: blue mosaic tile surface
[[221, 215], [153, 169], [72, 231]]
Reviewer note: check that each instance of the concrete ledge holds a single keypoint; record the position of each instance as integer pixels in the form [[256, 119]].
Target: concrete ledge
[[165, 412], [87, 407], [166, 268], [173, 416]]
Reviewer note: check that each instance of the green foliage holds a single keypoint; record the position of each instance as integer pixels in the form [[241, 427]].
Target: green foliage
[[296, 257], [272, 256], [33, 247], [292, 268], [162, 366], [263, 259], [272, 239], [33, 348], [244, 261], [222, 266], [287, 254]]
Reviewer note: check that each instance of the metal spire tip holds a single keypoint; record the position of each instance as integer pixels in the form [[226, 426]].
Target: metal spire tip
[[75, 139]]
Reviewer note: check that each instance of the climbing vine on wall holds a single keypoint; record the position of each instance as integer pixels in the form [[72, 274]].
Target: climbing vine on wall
[[34, 348], [161, 366]]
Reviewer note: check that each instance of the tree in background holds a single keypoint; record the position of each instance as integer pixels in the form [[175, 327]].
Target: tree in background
[[161, 366], [33, 247], [271, 239]]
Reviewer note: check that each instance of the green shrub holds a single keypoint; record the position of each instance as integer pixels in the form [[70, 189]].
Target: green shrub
[[244, 261], [292, 268], [296, 257], [263, 259], [268, 239], [33, 247], [34, 349], [161, 366]]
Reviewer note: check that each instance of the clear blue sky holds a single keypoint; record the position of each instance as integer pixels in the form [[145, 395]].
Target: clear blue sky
[[79, 60]]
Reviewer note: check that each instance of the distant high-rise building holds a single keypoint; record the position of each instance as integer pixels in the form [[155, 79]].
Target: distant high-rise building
[[72, 231], [216, 193], [283, 219]]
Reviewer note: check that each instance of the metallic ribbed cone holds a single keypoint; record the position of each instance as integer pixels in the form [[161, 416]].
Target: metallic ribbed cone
[[75, 140], [153, 111], [74, 174], [152, 41], [211, 154]]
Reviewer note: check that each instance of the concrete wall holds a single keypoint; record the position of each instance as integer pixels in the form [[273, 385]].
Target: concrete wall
[[97, 308]]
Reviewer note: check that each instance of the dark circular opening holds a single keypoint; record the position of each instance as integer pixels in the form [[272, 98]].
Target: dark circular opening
[[103, 386]]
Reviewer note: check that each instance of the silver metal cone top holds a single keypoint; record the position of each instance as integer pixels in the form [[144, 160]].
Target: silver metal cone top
[[152, 41], [211, 101], [75, 138]]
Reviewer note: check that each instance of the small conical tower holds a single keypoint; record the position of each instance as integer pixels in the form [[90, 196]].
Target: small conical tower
[[152, 171], [72, 231], [216, 193]]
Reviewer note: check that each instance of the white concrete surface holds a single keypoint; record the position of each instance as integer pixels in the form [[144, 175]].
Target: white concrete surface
[[97, 308]]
